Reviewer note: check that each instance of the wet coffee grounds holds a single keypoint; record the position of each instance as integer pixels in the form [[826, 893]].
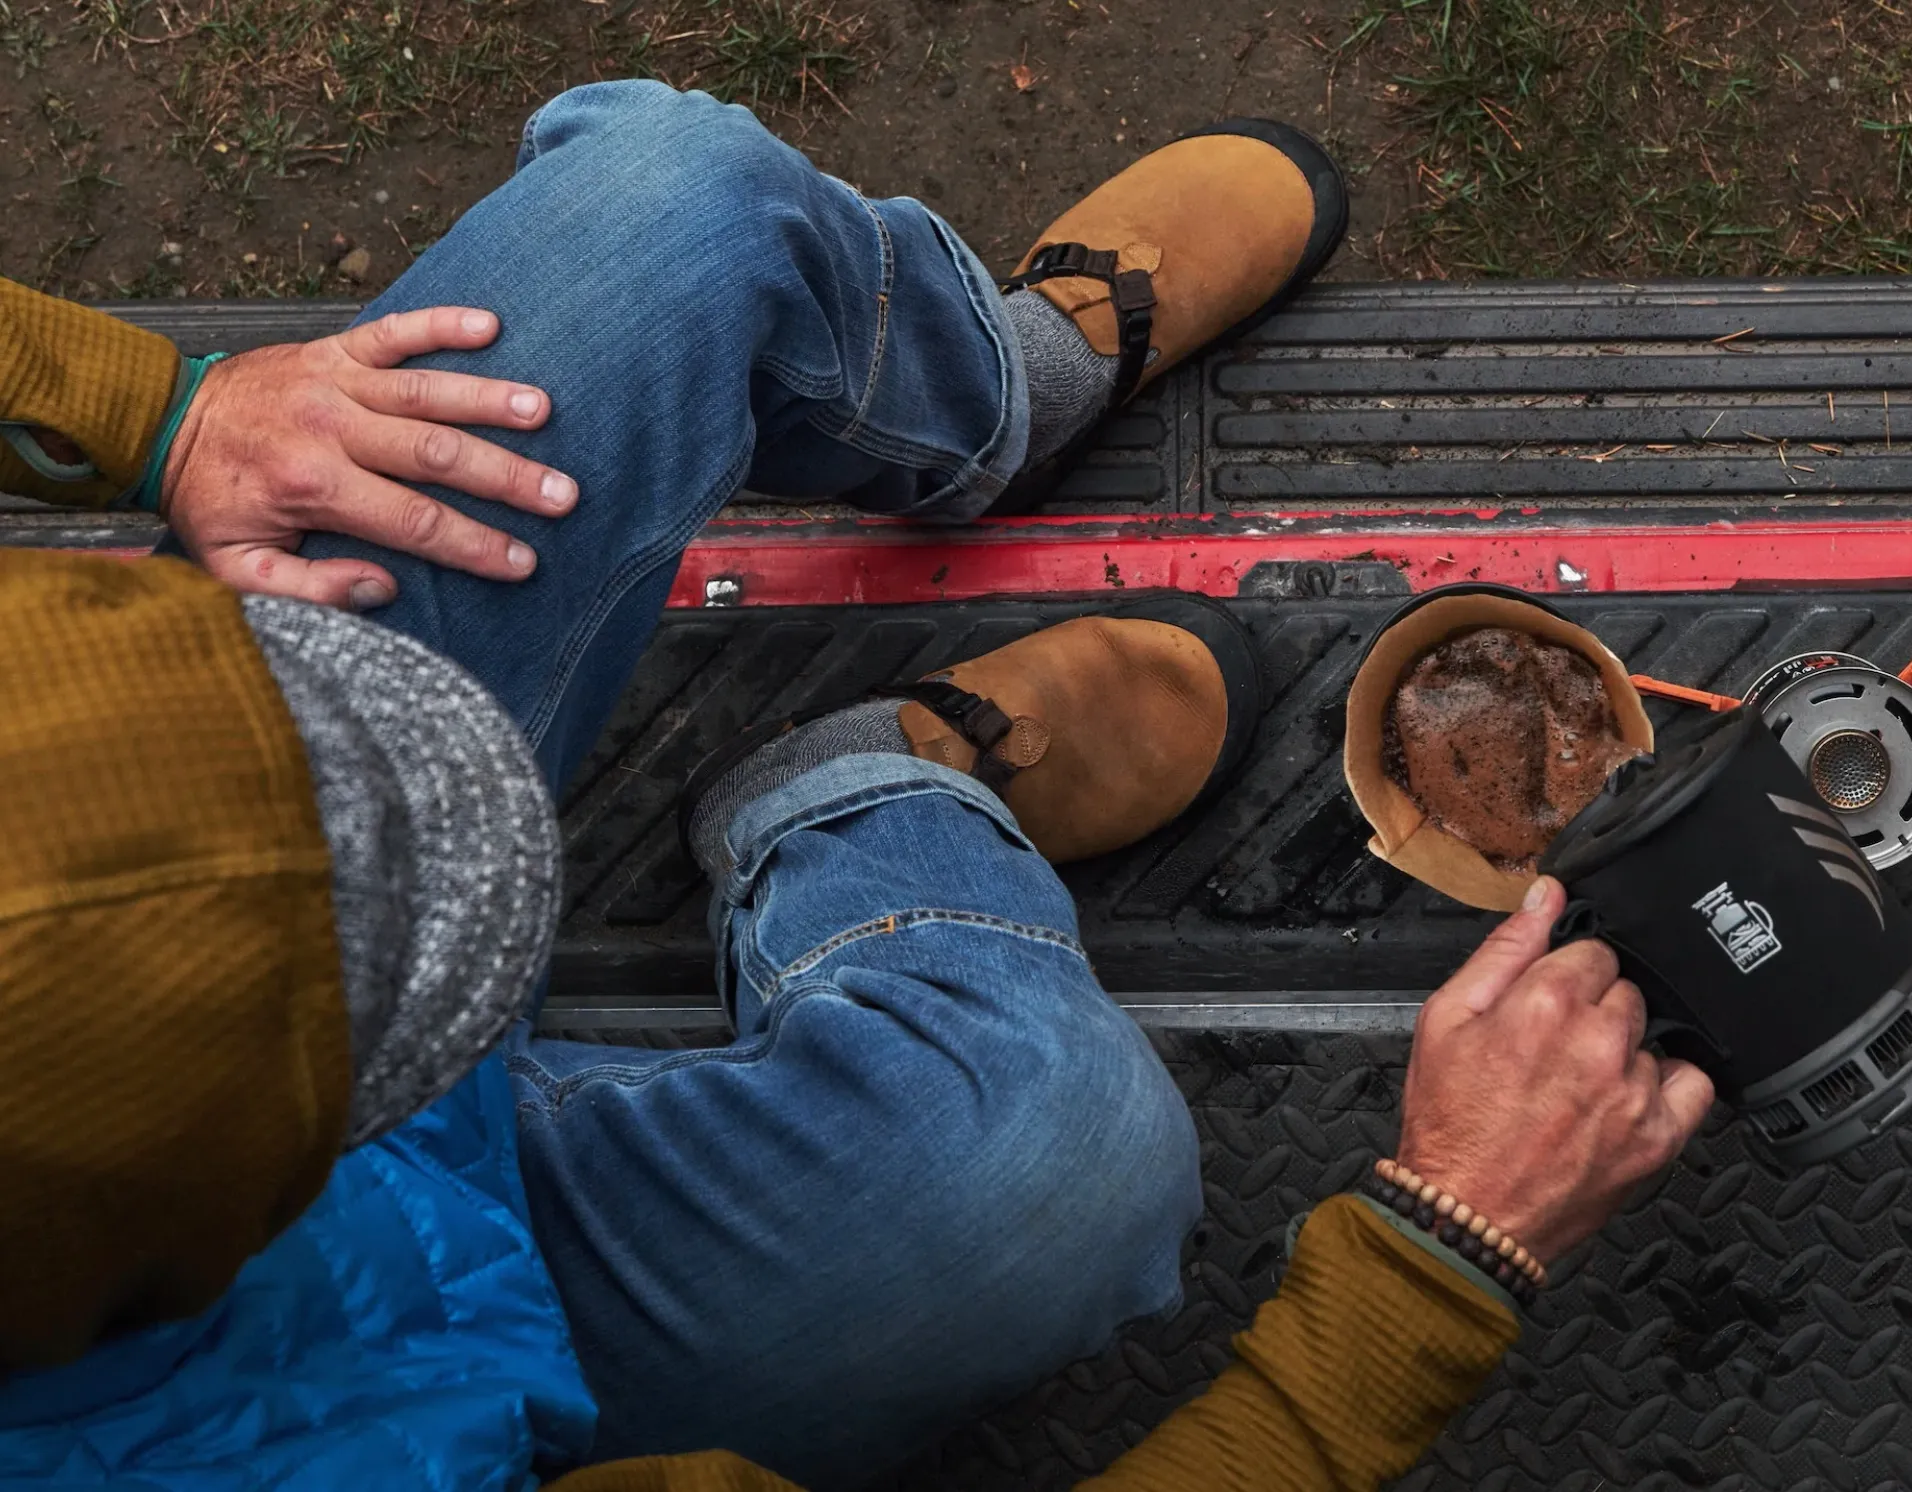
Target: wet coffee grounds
[[1501, 739]]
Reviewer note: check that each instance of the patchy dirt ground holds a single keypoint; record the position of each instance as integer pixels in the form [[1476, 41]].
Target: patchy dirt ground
[[313, 147], [262, 148], [1632, 138]]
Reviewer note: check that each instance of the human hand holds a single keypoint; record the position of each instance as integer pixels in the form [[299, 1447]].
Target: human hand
[[308, 436], [1528, 1096]]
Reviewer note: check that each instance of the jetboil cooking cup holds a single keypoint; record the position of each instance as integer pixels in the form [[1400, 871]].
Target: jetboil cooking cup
[[1766, 947]]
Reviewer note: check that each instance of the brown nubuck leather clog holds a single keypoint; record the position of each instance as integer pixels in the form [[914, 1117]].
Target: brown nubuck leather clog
[[1190, 247], [1096, 731]]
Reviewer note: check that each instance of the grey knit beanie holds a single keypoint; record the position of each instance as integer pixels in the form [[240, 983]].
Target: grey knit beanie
[[445, 851]]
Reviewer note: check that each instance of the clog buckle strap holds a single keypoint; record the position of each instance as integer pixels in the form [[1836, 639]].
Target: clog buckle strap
[[1131, 293]]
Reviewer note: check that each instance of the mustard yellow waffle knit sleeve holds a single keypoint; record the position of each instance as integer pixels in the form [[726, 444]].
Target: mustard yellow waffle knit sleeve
[[101, 383], [1343, 1381], [1345, 1378], [175, 1052]]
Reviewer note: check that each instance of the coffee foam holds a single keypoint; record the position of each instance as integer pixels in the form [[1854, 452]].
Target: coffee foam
[[1404, 836]]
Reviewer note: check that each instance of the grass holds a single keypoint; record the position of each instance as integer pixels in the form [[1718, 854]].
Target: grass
[[24, 38], [777, 56], [1631, 137], [261, 88], [263, 85], [254, 119], [772, 56]]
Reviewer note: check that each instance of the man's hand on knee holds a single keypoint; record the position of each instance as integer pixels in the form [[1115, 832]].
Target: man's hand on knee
[[1529, 1096], [288, 440]]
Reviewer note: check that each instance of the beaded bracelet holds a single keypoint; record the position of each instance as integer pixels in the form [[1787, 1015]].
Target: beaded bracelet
[[1497, 1255]]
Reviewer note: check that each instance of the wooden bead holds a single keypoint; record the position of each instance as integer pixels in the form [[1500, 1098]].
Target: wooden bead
[[1430, 1194], [1490, 1236], [1540, 1274], [1407, 1180], [1522, 1258], [1506, 1247], [1444, 1206], [1477, 1225], [1463, 1214], [1386, 1169]]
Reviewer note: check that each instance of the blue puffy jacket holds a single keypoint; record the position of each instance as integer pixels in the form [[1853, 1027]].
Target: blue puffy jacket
[[403, 1333]]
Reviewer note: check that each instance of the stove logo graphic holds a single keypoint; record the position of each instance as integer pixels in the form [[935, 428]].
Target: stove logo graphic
[[1743, 928], [1837, 856]]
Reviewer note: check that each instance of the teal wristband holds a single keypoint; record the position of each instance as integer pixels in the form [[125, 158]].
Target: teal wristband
[[1428, 1243], [192, 373]]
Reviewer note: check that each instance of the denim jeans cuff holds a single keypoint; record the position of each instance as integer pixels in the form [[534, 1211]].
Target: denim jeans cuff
[[841, 786], [981, 479]]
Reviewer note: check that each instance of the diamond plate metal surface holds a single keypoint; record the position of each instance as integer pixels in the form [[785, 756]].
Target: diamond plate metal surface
[[1735, 1328]]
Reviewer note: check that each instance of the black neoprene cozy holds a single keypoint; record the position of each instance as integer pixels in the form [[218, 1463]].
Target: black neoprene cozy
[[1767, 949]]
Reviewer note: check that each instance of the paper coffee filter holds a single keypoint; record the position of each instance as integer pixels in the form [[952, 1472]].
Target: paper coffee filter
[[1403, 834]]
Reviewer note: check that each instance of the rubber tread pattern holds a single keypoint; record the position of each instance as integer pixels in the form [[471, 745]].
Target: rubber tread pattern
[[1736, 1328], [1434, 394], [1269, 883]]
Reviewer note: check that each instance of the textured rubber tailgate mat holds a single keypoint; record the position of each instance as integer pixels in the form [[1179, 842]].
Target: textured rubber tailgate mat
[[1271, 887], [1739, 1328], [1684, 390], [1694, 389]]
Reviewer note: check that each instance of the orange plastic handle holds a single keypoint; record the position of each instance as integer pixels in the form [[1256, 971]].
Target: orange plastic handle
[[1717, 703]]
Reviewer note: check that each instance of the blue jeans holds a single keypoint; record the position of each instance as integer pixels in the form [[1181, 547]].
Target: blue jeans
[[937, 1162]]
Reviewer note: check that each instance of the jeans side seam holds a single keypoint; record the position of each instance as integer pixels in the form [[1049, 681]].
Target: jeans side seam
[[919, 917], [974, 476], [887, 283]]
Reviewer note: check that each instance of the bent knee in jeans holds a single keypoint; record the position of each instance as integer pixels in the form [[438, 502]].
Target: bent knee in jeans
[[687, 143], [869, 1220], [938, 1164]]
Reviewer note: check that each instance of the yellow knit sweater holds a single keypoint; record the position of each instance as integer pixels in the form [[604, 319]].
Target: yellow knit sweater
[[1340, 1383], [101, 383]]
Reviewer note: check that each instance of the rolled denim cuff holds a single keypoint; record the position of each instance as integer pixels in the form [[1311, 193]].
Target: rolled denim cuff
[[983, 477], [841, 786], [845, 785]]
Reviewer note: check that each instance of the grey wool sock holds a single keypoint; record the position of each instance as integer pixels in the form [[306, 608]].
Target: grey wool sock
[[871, 726], [1070, 383]]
